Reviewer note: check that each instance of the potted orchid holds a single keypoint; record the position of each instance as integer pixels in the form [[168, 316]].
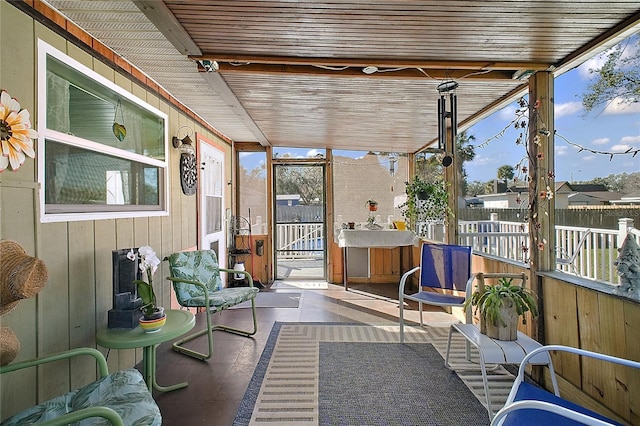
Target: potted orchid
[[148, 264]]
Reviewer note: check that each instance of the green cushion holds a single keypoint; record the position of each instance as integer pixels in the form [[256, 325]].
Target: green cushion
[[224, 298], [124, 391], [202, 266]]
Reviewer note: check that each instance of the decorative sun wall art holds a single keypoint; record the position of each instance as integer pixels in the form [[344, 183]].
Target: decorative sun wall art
[[16, 134]]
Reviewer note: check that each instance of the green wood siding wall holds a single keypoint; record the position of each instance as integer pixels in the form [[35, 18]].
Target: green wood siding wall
[[77, 296]]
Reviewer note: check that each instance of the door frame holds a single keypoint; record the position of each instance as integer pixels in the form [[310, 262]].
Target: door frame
[[204, 240], [323, 163]]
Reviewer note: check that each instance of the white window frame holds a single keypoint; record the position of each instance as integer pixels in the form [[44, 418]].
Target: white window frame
[[44, 133]]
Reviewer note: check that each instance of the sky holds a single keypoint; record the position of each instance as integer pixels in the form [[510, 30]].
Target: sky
[[613, 128]]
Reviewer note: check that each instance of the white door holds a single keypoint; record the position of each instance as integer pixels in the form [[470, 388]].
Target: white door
[[212, 223]]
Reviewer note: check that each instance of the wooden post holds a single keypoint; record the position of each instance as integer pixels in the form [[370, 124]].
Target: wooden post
[[541, 181]]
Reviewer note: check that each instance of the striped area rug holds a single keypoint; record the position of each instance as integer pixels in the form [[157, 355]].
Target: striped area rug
[[284, 388]]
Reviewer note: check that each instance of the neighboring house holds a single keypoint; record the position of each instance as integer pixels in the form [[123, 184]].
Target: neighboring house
[[632, 200], [288, 200], [510, 198], [592, 198], [590, 195], [506, 200], [565, 194], [474, 202]]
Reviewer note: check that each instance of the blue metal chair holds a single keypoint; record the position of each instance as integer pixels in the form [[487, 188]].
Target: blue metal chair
[[442, 266], [196, 281], [528, 404]]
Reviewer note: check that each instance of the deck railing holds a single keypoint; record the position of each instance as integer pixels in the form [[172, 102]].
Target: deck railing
[[594, 258], [509, 240], [299, 240]]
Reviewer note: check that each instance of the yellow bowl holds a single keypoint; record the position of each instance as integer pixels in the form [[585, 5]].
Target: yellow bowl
[[150, 326], [400, 226]]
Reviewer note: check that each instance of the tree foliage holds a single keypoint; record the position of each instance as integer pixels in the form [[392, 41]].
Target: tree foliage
[[624, 183], [430, 168], [618, 78], [477, 188], [466, 153], [506, 173], [306, 181]]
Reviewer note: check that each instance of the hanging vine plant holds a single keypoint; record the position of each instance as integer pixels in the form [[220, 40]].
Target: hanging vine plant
[[426, 202]]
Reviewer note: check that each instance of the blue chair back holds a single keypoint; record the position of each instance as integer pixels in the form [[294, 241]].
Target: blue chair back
[[198, 265], [445, 266]]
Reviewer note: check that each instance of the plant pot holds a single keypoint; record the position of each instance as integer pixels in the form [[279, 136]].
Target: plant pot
[[152, 325], [158, 313], [496, 329], [373, 207]]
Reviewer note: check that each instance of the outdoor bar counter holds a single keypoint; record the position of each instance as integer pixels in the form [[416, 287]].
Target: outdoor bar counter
[[373, 238]]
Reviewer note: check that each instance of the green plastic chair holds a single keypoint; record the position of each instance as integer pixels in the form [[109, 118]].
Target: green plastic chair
[[196, 281]]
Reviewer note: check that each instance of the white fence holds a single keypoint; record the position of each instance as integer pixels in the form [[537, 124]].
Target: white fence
[[593, 258], [299, 240]]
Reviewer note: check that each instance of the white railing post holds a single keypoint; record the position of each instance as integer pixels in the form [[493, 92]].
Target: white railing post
[[624, 224]]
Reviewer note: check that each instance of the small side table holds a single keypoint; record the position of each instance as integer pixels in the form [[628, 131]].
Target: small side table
[[495, 351], [178, 323]]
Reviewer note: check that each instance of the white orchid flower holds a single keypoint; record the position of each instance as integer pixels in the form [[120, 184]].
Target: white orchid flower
[[131, 255], [149, 260]]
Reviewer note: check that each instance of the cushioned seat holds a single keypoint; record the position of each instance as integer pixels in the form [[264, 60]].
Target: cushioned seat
[[123, 391], [528, 404], [120, 398], [222, 299], [529, 392], [197, 284]]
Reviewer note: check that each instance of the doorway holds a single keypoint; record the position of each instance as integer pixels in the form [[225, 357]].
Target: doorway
[[211, 201], [300, 228]]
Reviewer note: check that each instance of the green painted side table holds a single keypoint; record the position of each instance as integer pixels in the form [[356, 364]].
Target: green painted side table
[[178, 323]]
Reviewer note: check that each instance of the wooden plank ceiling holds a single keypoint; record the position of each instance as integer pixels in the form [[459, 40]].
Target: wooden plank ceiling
[[291, 72]]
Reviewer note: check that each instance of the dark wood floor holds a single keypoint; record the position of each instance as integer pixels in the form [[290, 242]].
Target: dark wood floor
[[217, 386]]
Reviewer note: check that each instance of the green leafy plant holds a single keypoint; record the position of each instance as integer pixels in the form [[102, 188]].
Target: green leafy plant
[[425, 201], [493, 298]]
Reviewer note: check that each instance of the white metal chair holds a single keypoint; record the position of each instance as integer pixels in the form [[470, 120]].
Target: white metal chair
[[442, 266], [528, 404], [565, 259]]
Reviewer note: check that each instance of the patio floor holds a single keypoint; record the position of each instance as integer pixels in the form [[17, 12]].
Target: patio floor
[[217, 387]]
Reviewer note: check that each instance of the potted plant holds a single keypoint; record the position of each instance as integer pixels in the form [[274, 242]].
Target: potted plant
[[426, 201], [373, 205], [153, 316], [501, 305]]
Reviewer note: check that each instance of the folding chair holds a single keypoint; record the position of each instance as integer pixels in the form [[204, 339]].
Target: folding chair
[[566, 259], [442, 266], [196, 281]]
